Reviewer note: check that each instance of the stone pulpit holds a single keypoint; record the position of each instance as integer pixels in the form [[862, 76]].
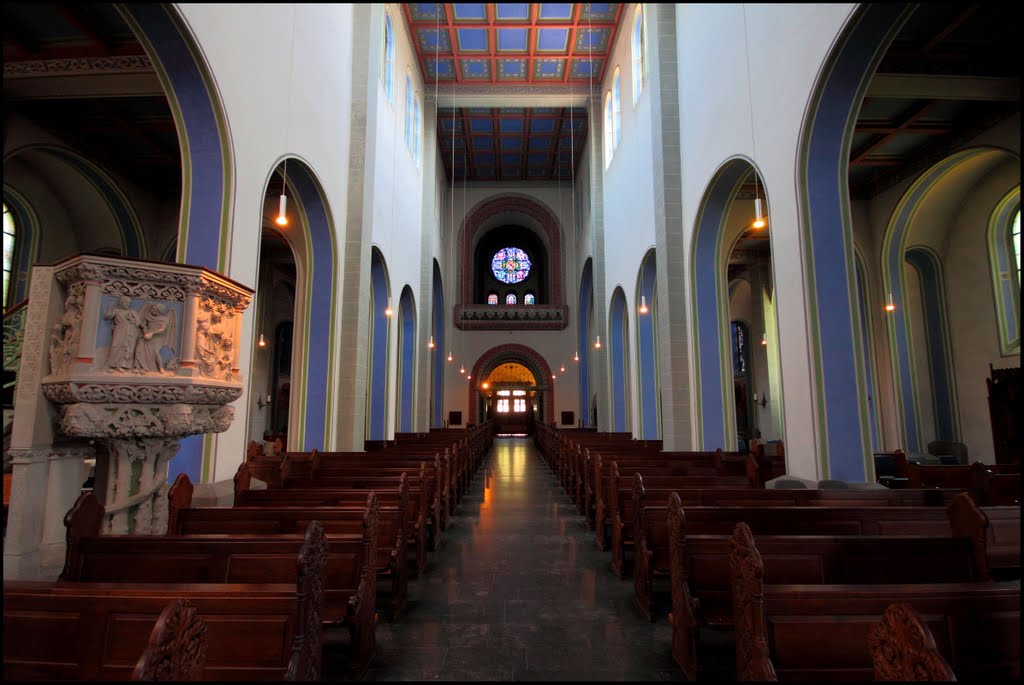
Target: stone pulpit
[[121, 359]]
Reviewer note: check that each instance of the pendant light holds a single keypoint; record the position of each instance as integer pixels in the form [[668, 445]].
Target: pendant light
[[890, 306], [597, 343], [389, 311], [262, 342], [282, 207], [764, 338], [431, 343], [643, 304], [576, 356]]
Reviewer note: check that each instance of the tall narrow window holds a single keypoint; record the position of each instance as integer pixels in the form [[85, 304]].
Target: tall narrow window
[[510, 298], [607, 129], [389, 59], [638, 53], [408, 112], [616, 109], [417, 133], [9, 237], [1015, 237]]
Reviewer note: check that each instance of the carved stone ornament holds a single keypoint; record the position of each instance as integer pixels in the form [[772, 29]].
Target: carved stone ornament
[[142, 421], [65, 334], [126, 393]]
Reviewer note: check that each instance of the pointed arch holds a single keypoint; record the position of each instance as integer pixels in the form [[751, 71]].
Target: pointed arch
[[380, 331], [618, 349], [647, 350], [406, 381]]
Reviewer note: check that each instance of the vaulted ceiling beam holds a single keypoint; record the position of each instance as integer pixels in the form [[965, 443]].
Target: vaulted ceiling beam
[[908, 119], [950, 27], [931, 86]]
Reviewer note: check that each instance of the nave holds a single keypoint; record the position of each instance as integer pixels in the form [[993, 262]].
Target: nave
[[518, 591]]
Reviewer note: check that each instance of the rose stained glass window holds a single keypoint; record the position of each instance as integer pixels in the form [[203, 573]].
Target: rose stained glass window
[[510, 265]]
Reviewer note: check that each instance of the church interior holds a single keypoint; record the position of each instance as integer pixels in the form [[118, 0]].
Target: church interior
[[495, 341]]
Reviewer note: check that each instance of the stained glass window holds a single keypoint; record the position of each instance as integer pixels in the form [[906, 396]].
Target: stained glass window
[[529, 299], [510, 298], [8, 249], [1016, 234], [492, 298], [389, 58], [637, 43], [510, 265]]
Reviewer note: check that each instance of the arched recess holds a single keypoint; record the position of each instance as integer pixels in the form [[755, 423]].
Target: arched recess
[[204, 229], [406, 359], [1004, 285], [950, 178], [618, 348], [841, 412], [310, 233], [437, 359], [380, 330], [721, 224], [867, 350], [586, 319], [511, 208], [526, 356], [125, 229], [647, 351]]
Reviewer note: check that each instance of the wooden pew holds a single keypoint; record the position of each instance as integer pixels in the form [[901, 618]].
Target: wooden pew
[[819, 632], [699, 579], [349, 586], [392, 556], [902, 648], [96, 630]]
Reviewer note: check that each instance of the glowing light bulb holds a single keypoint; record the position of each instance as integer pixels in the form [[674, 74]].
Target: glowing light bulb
[[431, 343], [643, 304], [562, 369], [890, 306], [262, 343], [759, 221], [282, 211], [597, 343], [389, 311], [462, 370], [449, 355], [576, 356], [764, 338]]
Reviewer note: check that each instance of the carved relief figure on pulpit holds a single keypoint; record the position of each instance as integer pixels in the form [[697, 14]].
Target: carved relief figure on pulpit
[[226, 359], [158, 330], [125, 336], [64, 336], [206, 357]]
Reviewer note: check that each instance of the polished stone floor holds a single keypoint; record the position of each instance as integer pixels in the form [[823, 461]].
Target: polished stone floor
[[519, 591]]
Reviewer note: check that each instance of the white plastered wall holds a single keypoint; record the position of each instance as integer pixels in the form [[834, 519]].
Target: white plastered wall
[[787, 45], [276, 103]]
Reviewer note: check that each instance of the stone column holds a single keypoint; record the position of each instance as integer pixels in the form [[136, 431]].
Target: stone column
[[188, 339], [63, 486]]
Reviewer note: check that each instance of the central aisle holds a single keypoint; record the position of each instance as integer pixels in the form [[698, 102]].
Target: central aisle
[[519, 591]]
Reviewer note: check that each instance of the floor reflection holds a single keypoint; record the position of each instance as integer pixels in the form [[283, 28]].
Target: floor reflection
[[519, 591]]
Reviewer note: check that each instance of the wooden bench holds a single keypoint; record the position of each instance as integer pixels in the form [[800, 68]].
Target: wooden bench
[[392, 563], [96, 630], [349, 586], [698, 566], [820, 632]]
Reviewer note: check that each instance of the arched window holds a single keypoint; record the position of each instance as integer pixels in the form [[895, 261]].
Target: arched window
[[9, 238], [389, 59], [417, 134], [1015, 238], [616, 109], [510, 298], [492, 298], [607, 129], [1004, 256], [528, 298], [637, 43], [408, 111]]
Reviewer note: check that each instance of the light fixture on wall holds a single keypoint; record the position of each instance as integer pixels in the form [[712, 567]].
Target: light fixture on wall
[[764, 338], [450, 354], [282, 208], [562, 369], [262, 342], [597, 343], [462, 369], [469, 377], [759, 219], [890, 306]]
